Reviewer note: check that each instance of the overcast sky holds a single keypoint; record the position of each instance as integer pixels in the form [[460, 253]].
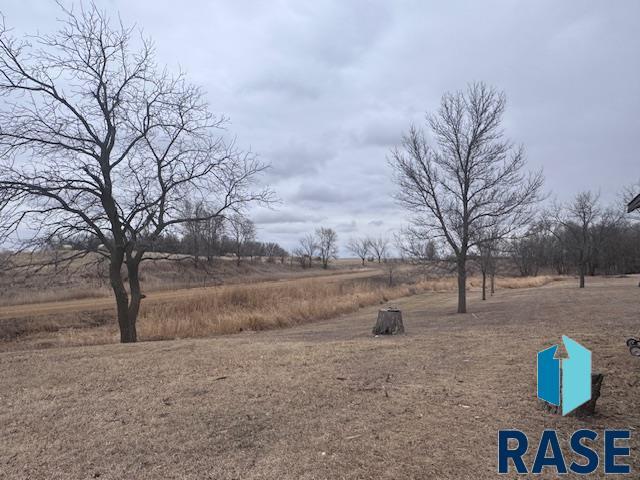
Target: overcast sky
[[322, 90]]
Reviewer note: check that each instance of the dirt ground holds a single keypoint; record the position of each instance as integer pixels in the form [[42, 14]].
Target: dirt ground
[[323, 400]]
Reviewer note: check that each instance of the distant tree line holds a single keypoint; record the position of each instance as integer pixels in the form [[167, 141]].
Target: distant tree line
[[579, 237], [203, 240]]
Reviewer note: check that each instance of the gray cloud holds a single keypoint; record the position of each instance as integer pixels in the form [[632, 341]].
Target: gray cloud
[[312, 193], [270, 217], [323, 90], [347, 227], [294, 158]]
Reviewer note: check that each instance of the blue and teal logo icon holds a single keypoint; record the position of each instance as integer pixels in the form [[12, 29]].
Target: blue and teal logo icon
[[565, 381]]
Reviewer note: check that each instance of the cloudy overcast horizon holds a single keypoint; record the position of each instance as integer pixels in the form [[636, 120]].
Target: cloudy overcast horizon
[[323, 90]]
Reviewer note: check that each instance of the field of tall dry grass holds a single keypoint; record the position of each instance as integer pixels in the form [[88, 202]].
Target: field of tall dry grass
[[248, 307], [87, 277], [234, 308]]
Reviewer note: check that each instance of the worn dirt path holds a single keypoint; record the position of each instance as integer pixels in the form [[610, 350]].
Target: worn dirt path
[[97, 304]]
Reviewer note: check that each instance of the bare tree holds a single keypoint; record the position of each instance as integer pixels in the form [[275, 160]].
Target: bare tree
[[307, 249], [212, 231], [532, 250], [359, 247], [327, 241], [488, 250], [379, 247], [468, 181], [194, 229], [243, 232], [96, 140], [390, 267], [413, 246], [202, 237], [579, 227], [272, 250], [299, 255]]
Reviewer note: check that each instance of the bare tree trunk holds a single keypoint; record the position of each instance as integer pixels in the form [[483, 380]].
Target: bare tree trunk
[[484, 285], [133, 268], [127, 330], [582, 275], [462, 286], [493, 283]]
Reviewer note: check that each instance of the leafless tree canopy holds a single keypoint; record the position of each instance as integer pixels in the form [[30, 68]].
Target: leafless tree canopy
[[414, 247], [96, 139], [360, 247], [531, 251], [580, 226], [327, 242], [379, 247], [465, 182], [306, 250], [556, 243], [203, 237], [242, 231]]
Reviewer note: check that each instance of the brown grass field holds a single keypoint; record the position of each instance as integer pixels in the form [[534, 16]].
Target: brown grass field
[[214, 310], [322, 400], [86, 278]]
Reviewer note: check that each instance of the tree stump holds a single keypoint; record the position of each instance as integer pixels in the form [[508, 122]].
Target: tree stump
[[586, 409], [589, 408], [389, 322]]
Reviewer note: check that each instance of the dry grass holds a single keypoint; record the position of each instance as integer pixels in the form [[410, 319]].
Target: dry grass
[[57, 294], [232, 309], [246, 307], [87, 278], [527, 282], [324, 400]]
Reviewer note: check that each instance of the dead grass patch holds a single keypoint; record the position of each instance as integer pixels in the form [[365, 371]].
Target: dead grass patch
[[234, 308], [59, 294], [518, 282], [323, 400], [246, 307]]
